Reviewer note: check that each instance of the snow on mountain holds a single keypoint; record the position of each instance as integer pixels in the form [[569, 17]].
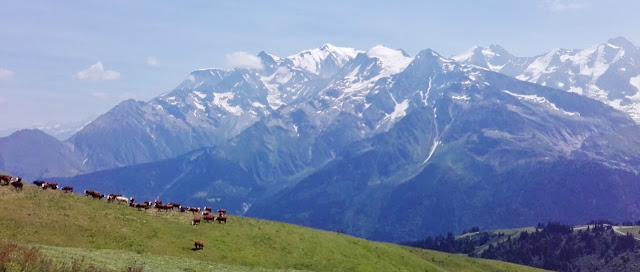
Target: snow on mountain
[[361, 93], [607, 72], [351, 89], [231, 100], [392, 61], [494, 58], [324, 60]]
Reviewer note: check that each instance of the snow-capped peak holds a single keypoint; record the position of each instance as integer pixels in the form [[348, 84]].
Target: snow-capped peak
[[341, 54], [494, 57], [392, 61], [466, 55], [492, 51], [312, 60]]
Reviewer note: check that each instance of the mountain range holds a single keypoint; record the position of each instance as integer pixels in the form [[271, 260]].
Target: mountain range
[[375, 143], [609, 72]]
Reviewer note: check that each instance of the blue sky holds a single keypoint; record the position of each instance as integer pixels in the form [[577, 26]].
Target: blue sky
[[140, 49]]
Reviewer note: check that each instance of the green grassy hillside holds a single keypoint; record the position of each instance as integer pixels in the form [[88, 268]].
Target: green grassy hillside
[[67, 227]]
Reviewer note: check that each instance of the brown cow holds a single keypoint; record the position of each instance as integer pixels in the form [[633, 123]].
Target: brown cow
[[194, 210], [195, 221], [208, 209], [50, 185], [164, 207], [209, 218], [94, 194], [175, 205], [199, 245], [5, 180], [38, 183], [140, 206], [67, 189], [222, 212], [221, 219]]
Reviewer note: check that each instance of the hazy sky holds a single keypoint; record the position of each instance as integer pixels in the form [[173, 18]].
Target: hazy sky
[[66, 61]]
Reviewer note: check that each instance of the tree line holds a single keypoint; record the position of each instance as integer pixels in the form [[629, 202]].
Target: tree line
[[552, 246]]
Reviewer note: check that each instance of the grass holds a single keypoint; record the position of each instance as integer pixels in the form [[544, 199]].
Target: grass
[[114, 236], [15, 257]]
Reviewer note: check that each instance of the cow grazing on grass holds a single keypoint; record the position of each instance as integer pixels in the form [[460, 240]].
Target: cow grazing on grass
[[17, 185], [5, 180], [38, 183], [112, 197], [221, 219], [175, 205], [199, 245], [67, 189], [94, 194], [140, 206], [195, 221], [209, 218], [122, 199], [50, 185], [164, 207], [194, 210]]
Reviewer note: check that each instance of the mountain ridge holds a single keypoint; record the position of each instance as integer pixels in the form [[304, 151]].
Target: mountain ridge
[[609, 72]]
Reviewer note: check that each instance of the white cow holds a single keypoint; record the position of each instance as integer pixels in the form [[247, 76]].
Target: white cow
[[122, 199]]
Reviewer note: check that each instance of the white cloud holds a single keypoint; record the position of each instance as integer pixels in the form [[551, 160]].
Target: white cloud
[[97, 73], [6, 74], [562, 5], [152, 61], [243, 60]]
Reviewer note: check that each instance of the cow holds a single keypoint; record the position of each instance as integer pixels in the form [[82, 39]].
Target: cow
[[164, 207], [208, 209], [94, 194], [221, 219], [158, 202], [50, 185], [199, 245], [5, 180], [140, 206], [17, 185], [112, 197], [67, 189], [195, 221], [175, 205], [194, 210], [222, 212], [205, 213], [131, 200], [38, 183], [209, 218], [122, 199]]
